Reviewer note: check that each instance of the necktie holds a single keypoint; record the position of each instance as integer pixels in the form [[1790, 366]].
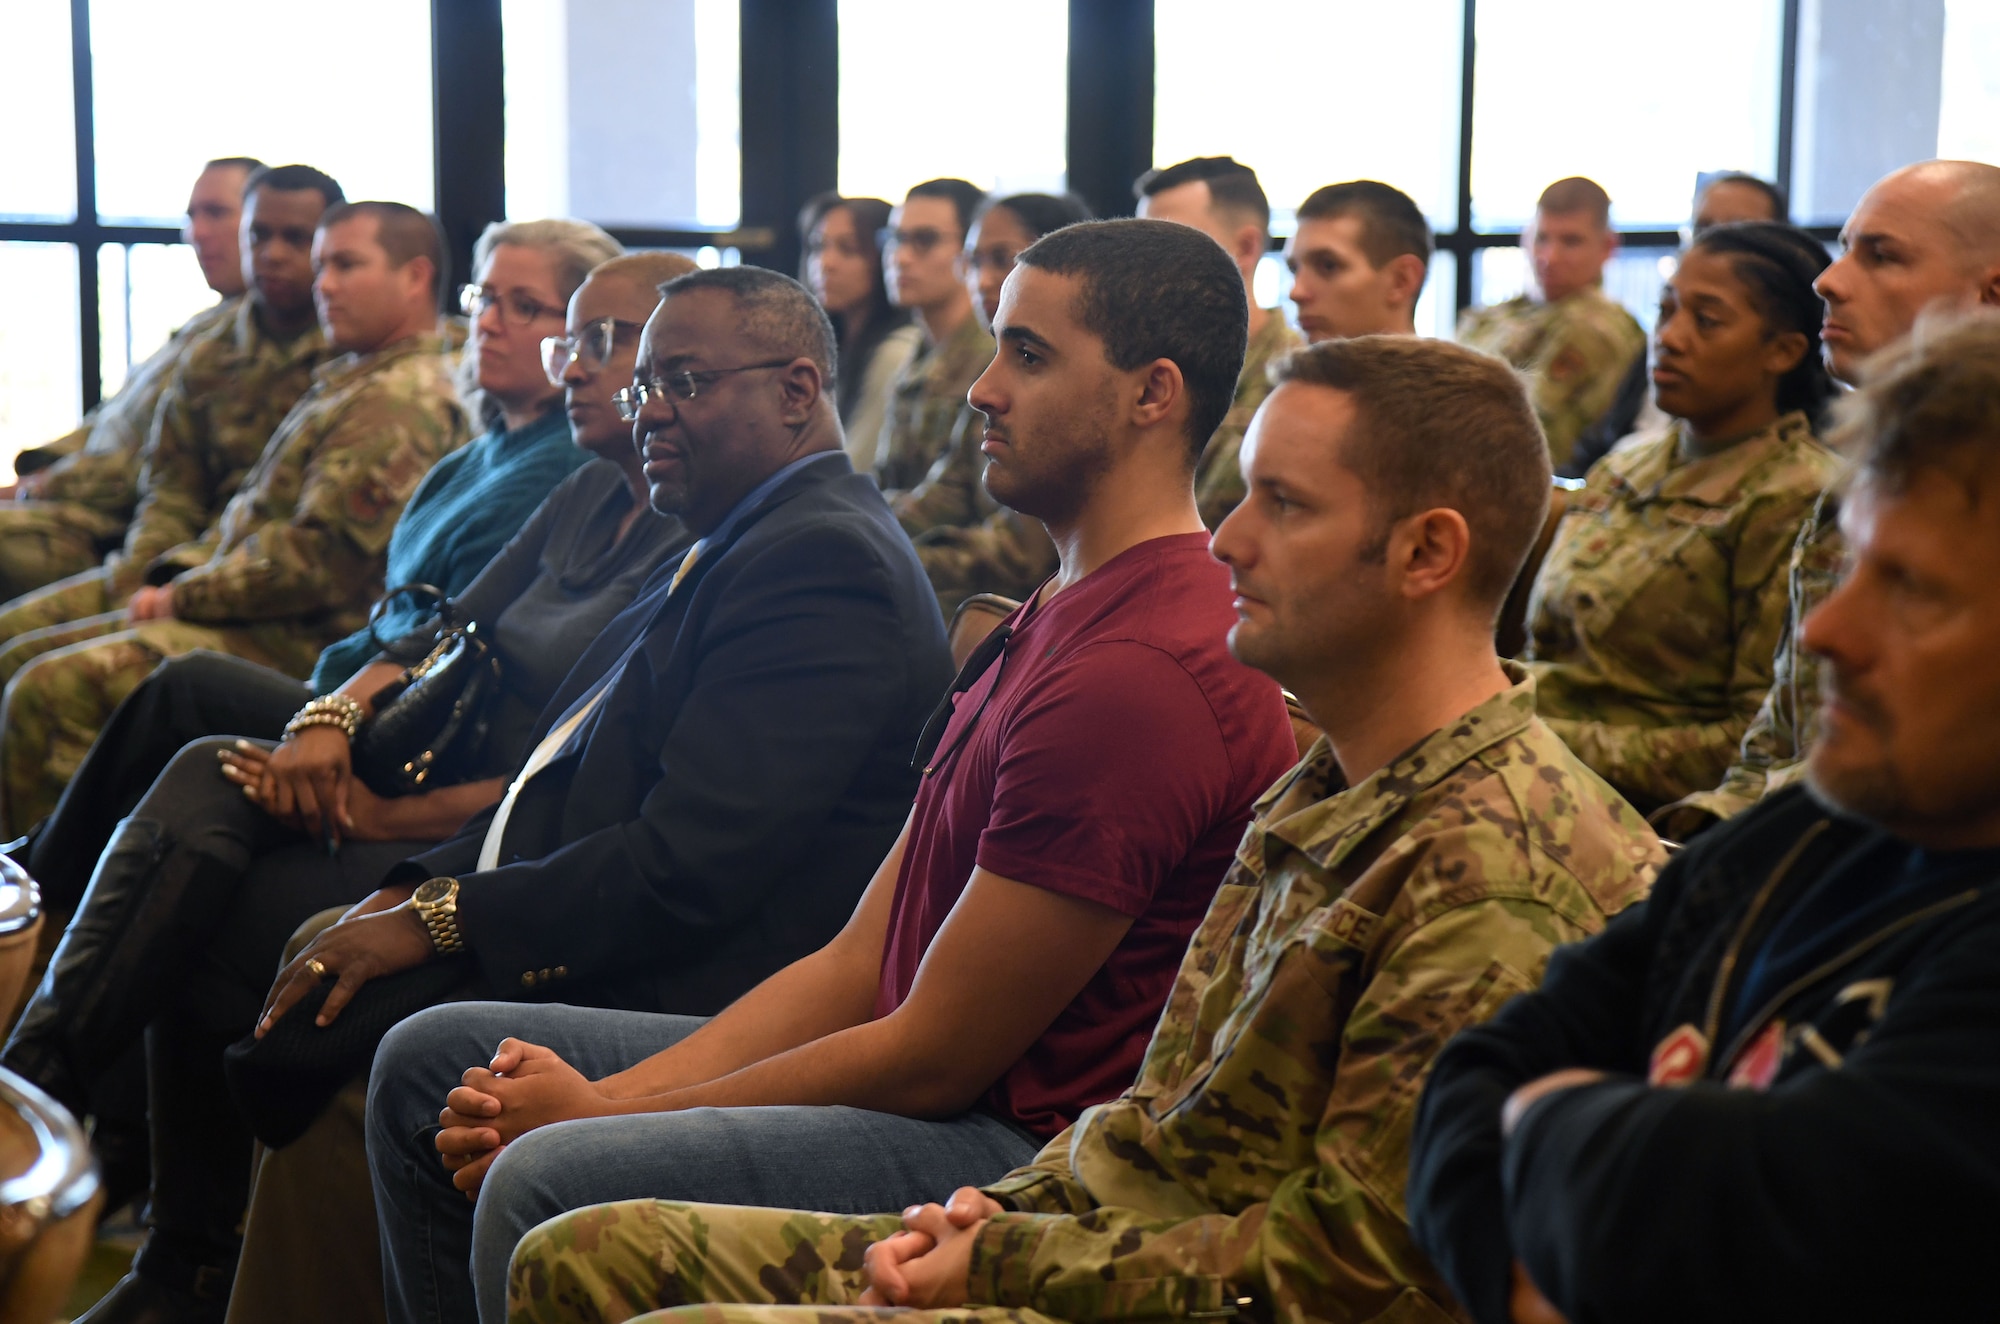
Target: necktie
[[552, 743]]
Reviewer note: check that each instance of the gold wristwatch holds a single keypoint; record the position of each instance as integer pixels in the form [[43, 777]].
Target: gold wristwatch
[[436, 904]]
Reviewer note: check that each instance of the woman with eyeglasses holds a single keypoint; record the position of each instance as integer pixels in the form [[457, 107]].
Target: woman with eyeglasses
[[1655, 616], [236, 842], [842, 266]]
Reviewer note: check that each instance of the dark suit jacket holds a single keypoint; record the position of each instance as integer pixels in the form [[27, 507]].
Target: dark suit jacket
[[719, 813]]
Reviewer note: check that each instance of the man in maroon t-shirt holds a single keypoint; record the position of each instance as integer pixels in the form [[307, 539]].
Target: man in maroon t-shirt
[[1096, 765]]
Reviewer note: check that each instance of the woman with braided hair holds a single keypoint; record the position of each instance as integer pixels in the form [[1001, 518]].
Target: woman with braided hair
[[1656, 614]]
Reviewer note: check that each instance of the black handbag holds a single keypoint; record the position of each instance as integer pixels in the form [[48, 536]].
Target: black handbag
[[431, 723]]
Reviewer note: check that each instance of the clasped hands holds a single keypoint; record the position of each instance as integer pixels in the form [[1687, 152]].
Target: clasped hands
[[307, 783], [525, 1086]]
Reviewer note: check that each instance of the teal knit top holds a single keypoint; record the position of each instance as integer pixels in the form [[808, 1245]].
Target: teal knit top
[[467, 507]]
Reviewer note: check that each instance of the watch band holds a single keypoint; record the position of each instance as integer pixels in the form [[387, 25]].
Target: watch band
[[440, 919]]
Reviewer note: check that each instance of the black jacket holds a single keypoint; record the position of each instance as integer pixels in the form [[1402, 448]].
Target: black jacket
[[1850, 1172], [738, 785]]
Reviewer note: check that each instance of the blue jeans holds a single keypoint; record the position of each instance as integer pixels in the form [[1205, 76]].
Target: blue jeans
[[437, 1250]]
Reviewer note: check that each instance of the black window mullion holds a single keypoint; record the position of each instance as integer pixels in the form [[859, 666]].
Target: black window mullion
[[1788, 96], [91, 368]]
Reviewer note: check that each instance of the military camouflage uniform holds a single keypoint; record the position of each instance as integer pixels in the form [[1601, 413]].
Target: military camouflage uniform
[[1260, 1160], [1657, 611], [1575, 352], [298, 560], [87, 495], [927, 405], [968, 542], [1773, 753], [221, 403], [1218, 478]]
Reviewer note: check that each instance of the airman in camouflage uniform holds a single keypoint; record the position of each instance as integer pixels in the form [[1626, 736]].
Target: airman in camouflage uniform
[[1773, 753], [1218, 478], [927, 405], [1259, 1162], [215, 413], [77, 507], [1653, 624], [1575, 350], [298, 558]]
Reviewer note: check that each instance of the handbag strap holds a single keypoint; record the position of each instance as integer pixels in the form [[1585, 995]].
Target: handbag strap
[[416, 589]]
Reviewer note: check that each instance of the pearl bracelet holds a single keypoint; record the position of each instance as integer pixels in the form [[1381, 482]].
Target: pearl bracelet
[[327, 710]]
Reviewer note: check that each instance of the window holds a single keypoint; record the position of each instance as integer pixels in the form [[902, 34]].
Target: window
[[625, 115], [1283, 85], [930, 90], [37, 102], [39, 360], [1638, 97], [145, 292], [1969, 97], [180, 81]]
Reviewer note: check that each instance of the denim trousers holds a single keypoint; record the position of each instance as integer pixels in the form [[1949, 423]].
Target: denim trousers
[[444, 1259]]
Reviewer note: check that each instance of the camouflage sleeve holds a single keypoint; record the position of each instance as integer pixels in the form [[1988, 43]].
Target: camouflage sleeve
[[103, 480], [1659, 765], [357, 478], [1005, 553], [1333, 1241], [43, 456], [174, 508], [1576, 376], [949, 494]]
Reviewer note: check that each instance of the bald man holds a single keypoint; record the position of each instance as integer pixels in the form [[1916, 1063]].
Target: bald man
[[1926, 237]]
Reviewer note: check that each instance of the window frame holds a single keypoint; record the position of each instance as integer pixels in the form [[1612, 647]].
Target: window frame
[[789, 68]]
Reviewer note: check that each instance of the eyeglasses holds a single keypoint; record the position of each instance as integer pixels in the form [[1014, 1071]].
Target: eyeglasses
[[996, 258], [919, 241], [676, 388], [592, 345], [515, 307]]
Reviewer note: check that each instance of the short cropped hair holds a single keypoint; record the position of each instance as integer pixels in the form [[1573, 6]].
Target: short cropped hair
[[649, 269], [402, 231], [295, 179], [576, 247], [1566, 197], [964, 197], [1391, 224], [1232, 186], [1439, 425], [1156, 290], [250, 165], [1929, 403], [780, 316], [1773, 195]]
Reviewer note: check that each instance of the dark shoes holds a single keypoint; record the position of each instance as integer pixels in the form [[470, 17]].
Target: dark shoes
[[137, 1300]]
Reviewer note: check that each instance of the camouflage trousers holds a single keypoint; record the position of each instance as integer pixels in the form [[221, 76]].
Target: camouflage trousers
[[719, 1263], [44, 541], [62, 684]]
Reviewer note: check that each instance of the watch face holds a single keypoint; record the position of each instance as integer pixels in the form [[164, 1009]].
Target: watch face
[[434, 890]]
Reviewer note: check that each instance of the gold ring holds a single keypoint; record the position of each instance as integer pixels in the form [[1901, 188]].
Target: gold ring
[[318, 968]]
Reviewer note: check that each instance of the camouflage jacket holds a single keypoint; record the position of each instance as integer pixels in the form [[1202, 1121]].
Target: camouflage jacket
[[968, 542], [301, 546], [1652, 625], [220, 407], [100, 471], [927, 405], [1218, 479], [1260, 1160], [1773, 752], [1575, 351]]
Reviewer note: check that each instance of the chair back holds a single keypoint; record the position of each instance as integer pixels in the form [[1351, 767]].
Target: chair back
[[49, 1195], [20, 932], [1510, 633], [973, 621]]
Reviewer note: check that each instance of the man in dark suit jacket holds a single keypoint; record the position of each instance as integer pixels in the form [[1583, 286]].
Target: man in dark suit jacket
[[722, 771], [710, 789]]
